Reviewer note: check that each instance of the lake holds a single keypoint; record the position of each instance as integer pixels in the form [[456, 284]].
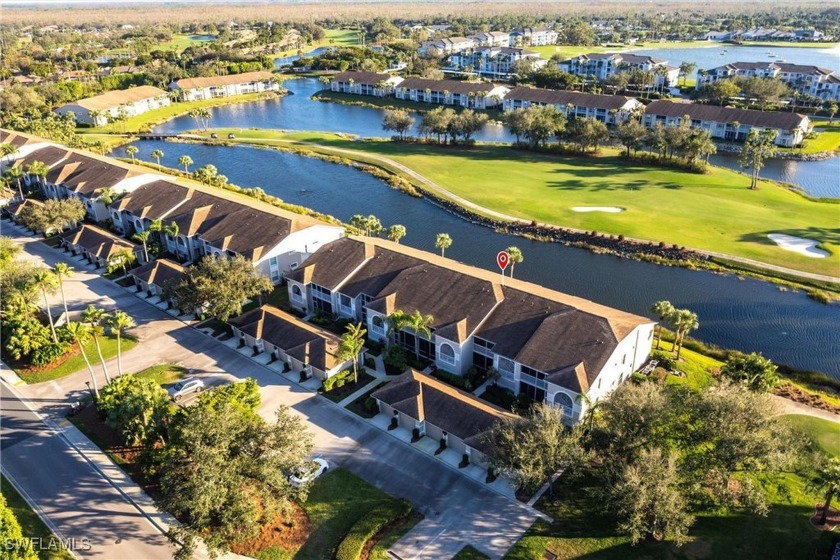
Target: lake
[[298, 111], [746, 314]]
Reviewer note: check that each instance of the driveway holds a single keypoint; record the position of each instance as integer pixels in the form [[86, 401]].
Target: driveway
[[458, 510]]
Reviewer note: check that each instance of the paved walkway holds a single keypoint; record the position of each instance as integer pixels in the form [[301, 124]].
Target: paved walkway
[[470, 512], [792, 407]]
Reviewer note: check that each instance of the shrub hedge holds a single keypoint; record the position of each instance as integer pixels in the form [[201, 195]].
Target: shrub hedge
[[367, 527]]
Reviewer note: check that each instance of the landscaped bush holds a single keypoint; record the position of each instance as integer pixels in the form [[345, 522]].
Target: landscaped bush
[[370, 363], [367, 527], [396, 360], [371, 405], [374, 348], [454, 380], [665, 361], [339, 380], [501, 397], [48, 353]]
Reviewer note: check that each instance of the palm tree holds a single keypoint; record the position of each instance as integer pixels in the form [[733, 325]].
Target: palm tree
[[80, 334], [515, 256], [396, 232], [132, 151], [7, 149], [186, 161], [443, 241], [157, 155], [16, 174], [95, 317], [685, 321], [352, 344], [63, 270], [118, 323], [38, 169], [417, 322], [828, 482], [143, 237], [45, 281], [121, 259], [664, 309]]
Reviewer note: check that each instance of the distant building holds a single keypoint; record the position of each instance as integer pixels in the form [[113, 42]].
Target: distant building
[[194, 89], [492, 38], [791, 127], [609, 109], [533, 37], [98, 110], [493, 62], [815, 81], [365, 83], [477, 95], [449, 45], [604, 65]]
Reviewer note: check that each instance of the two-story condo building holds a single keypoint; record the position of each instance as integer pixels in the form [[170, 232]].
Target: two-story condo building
[[791, 127], [493, 62], [99, 110], [365, 83], [609, 109], [551, 346], [492, 39], [815, 81], [603, 65], [193, 89], [477, 95]]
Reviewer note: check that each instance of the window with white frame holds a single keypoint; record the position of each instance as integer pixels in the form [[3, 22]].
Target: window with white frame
[[272, 261], [297, 294], [447, 354], [565, 402], [506, 367], [377, 325]]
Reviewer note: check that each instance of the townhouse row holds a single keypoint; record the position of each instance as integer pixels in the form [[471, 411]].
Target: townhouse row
[[724, 123], [100, 110], [815, 81], [525, 36]]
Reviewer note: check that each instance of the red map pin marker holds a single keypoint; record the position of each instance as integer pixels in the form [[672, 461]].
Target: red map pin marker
[[503, 259]]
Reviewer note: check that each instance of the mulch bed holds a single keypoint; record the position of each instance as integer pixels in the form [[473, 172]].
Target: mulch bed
[[832, 521], [288, 533], [795, 394]]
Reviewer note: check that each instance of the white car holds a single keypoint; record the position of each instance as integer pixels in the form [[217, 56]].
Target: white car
[[308, 472], [185, 387]]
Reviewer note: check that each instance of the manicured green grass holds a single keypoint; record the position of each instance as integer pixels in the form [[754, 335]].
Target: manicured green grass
[[108, 344], [336, 501], [177, 43], [332, 38], [470, 553], [824, 434], [163, 374], [714, 211], [694, 365], [144, 121], [30, 524]]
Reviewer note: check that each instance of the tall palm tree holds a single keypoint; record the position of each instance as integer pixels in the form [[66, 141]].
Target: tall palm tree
[[80, 335], [352, 344], [7, 149], [686, 321], [664, 309], [515, 256], [45, 281], [63, 270], [119, 322], [827, 481], [157, 155], [39, 170], [132, 151], [417, 322], [16, 174], [143, 237], [186, 161], [95, 317], [443, 241]]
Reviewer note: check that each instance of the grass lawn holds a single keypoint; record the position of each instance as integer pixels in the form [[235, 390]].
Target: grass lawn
[[30, 523], [336, 501], [163, 374], [715, 211], [358, 405], [340, 393], [75, 362], [824, 434], [470, 553], [332, 38]]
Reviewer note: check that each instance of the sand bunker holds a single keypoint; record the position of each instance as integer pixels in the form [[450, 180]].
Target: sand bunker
[[611, 209], [798, 245]]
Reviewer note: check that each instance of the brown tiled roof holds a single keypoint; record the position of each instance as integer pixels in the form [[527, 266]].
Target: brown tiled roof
[[153, 200], [802, 68], [116, 98], [561, 97], [452, 86], [456, 412], [332, 263], [371, 78], [770, 119], [14, 138], [296, 338], [98, 241], [159, 272], [49, 156], [231, 79], [18, 208], [86, 175]]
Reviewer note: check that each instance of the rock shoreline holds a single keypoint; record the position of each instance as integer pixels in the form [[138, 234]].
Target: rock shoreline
[[819, 156]]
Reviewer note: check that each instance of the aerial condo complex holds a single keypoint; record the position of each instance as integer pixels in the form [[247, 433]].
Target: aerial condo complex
[[420, 280]]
